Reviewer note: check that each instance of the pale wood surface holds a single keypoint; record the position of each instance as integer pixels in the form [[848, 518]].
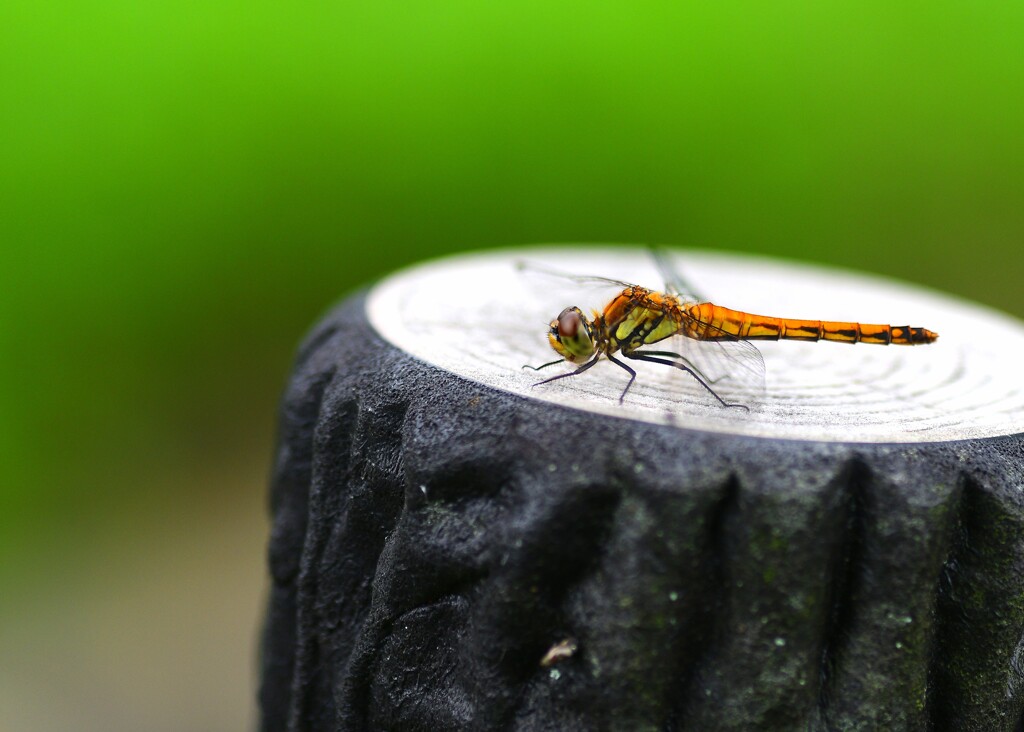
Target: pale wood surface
[[481, 317]]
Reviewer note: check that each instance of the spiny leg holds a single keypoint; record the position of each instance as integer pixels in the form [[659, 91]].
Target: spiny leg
[[643, 357], [542, 366], [632, 374], [685, 360], [580, 370]]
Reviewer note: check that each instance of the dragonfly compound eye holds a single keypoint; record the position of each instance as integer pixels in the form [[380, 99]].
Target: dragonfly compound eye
[[571, 336], [569, 322]]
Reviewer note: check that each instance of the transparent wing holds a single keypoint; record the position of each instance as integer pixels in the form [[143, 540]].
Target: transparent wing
[[549, 291], [544, 273], [675, 283], [732, 367]]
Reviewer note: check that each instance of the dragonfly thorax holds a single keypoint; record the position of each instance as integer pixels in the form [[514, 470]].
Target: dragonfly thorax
[[571, 334]]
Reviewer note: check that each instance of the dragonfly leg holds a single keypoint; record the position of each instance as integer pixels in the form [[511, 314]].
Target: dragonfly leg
[[632, 375], [542, 366], [685, 360], [636, 356], [579, 370]]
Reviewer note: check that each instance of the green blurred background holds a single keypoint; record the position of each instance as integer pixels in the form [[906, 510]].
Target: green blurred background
[[184, 187]]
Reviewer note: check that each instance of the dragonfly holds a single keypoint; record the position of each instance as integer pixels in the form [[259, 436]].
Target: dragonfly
[[639, 317]]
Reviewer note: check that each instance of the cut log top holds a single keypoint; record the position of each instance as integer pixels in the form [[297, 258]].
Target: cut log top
[[522, 560], [483, 317]]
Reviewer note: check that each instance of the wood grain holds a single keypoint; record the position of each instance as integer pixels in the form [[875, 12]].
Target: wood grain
[[480, 317]]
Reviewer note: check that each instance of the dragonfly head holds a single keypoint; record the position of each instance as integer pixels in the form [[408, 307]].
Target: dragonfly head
[[572, 335]]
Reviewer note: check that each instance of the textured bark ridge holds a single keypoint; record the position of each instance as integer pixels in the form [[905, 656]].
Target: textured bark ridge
[[448, 557]]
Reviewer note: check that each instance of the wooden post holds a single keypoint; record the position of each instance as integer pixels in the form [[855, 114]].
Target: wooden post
[[456, 548]]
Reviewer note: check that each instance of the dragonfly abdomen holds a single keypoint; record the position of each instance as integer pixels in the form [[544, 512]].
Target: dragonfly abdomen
[[736, 323]]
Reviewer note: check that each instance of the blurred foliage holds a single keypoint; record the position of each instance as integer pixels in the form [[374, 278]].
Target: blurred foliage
[[185, 186]]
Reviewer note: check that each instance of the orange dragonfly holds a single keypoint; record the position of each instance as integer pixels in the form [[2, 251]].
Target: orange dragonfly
[[638, 317]]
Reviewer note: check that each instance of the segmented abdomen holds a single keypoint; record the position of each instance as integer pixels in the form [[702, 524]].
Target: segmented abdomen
[[715, 323]]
